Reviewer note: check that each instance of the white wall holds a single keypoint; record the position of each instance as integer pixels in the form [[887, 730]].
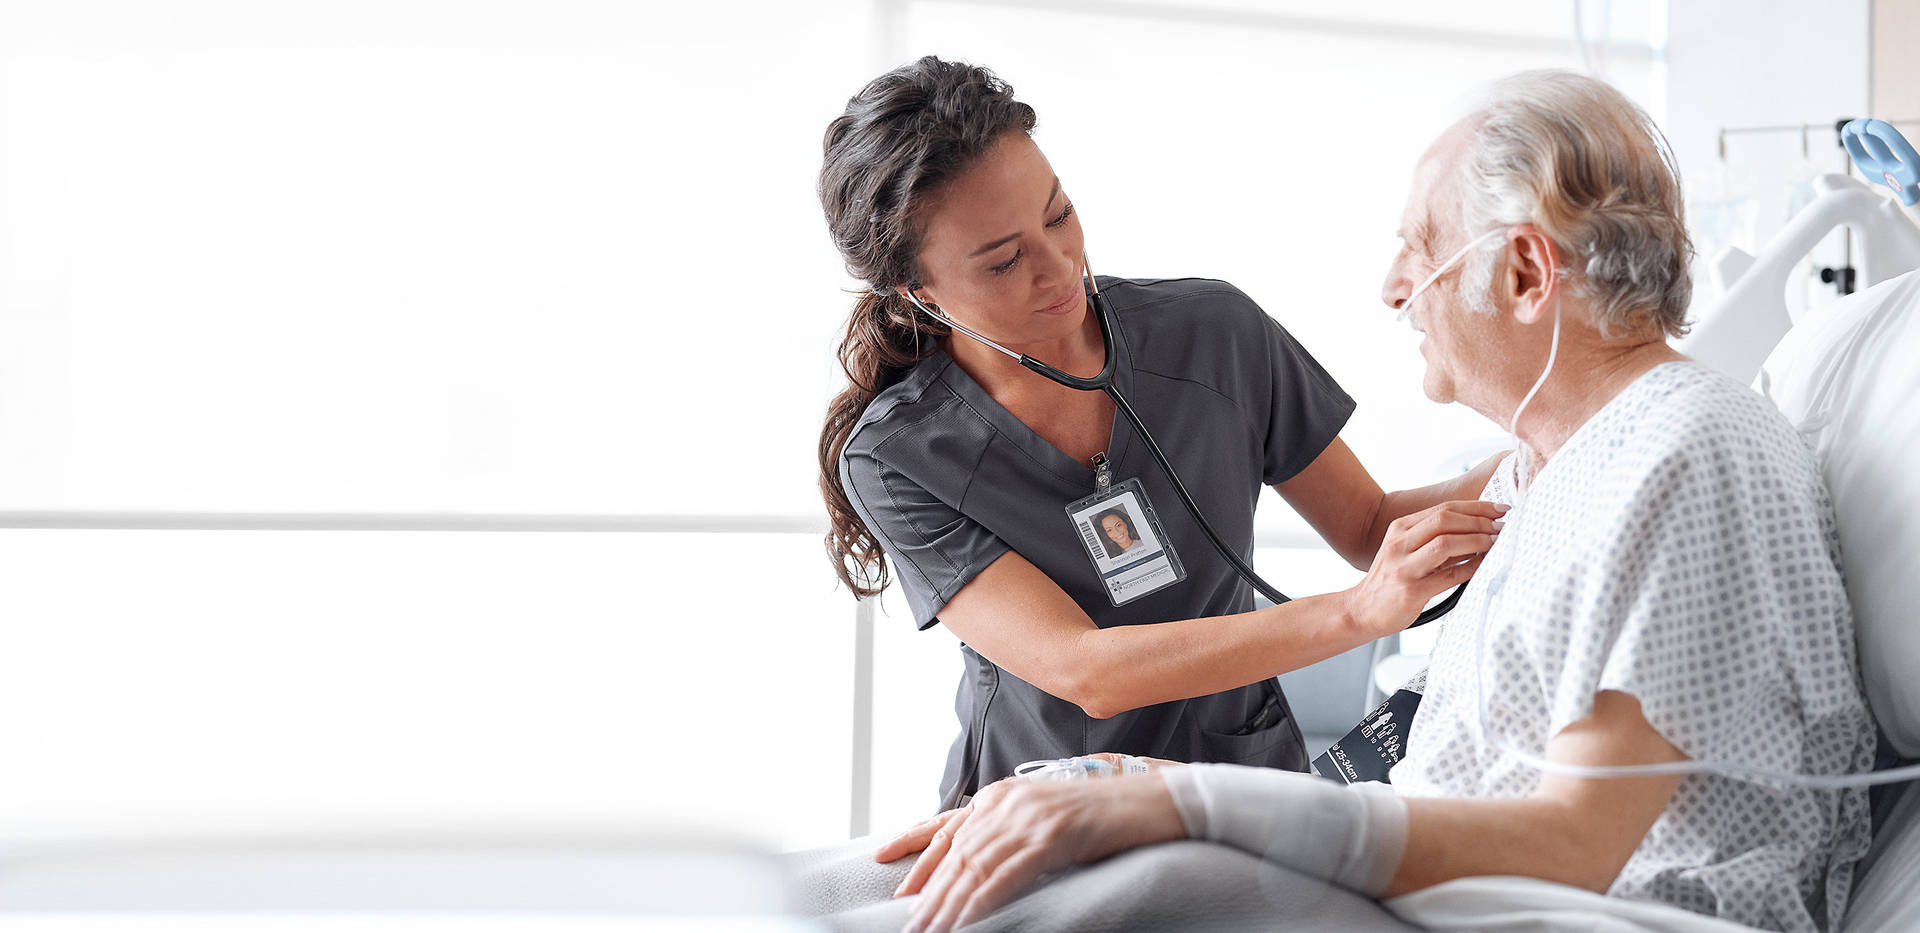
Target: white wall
[[1896, 74]]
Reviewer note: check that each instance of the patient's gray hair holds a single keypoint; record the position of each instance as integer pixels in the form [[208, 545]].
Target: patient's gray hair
[[1578, 160]]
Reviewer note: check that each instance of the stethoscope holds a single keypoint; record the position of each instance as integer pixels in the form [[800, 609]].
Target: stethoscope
[[1103, 382]]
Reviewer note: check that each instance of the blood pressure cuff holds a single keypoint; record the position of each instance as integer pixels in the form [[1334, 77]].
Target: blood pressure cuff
[[1375, 745]]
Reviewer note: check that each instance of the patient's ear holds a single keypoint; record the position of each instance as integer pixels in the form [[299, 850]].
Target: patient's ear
[[1530, 282]]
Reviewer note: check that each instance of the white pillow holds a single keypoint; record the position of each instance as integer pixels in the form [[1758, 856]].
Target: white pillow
[[1849, 376]]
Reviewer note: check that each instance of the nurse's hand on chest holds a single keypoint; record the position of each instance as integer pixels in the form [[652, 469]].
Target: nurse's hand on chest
[[1423, 555]]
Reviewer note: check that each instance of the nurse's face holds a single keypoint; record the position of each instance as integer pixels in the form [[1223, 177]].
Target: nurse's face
[[1116, 530], [1459, 344], [1001, 248]]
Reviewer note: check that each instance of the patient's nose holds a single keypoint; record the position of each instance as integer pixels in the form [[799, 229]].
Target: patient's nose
[[1397, 287]]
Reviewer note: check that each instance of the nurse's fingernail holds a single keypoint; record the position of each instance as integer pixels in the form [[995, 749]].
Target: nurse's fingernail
[[1502, 507], [1498, 524]]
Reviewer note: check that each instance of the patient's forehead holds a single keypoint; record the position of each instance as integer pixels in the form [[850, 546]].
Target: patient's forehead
[[1433, 205]]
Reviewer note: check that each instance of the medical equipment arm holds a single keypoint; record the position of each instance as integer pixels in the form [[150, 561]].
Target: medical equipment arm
[[1020, 619]]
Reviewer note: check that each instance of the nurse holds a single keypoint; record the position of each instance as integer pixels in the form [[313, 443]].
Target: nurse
[[982, 481]]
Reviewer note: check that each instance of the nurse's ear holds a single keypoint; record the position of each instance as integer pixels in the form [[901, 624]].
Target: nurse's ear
[[1530, 280], [916, 295]]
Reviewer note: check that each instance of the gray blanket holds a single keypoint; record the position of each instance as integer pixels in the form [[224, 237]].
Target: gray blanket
[[1177, 886]]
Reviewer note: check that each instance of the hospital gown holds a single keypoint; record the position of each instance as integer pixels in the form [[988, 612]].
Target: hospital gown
[[1680, 547]]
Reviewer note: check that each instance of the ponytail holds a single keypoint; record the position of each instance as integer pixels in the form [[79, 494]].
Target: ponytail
[[885, 339]]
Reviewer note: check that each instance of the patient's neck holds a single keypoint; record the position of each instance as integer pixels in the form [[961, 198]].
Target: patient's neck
[[1582, 383]]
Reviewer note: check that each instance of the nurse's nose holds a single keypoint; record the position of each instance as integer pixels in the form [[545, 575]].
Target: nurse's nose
[[1061, 266]]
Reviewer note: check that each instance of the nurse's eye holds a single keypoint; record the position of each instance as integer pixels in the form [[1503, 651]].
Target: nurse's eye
[[1005, 267], [1062, 219]]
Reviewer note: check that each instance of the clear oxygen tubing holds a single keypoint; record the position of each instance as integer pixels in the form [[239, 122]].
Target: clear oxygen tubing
[[1520, 479], [1406, 307], [1104, 383], [1541, 763]]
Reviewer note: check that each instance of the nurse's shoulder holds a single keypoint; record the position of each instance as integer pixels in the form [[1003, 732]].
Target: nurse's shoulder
[[1153, 307], [917, 429], [1202, 330]]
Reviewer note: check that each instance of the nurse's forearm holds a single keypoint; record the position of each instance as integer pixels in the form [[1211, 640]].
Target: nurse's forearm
[[1018, 618], [1401, 502], [1130, 666]]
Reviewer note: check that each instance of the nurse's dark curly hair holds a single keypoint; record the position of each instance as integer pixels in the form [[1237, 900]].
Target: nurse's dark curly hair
[[900, 139]]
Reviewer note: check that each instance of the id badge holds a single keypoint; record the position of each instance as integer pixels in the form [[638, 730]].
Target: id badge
[[1122, 536]]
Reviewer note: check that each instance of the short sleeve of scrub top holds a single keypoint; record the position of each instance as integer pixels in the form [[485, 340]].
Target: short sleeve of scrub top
[[935, 548], [1305, 409], [948, 481]]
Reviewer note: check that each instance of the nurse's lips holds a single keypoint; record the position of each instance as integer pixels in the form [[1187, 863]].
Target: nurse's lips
[[1061, 306]]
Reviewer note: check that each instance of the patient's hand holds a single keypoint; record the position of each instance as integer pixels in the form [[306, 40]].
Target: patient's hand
[[935, 834], [1002, 842], [929, 833]]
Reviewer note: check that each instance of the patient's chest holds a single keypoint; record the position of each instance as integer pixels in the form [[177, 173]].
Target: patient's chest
[[1508, 639], [1482, 648]]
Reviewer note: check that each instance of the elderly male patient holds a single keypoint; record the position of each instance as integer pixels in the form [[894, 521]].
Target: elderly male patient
[[1664, 589]]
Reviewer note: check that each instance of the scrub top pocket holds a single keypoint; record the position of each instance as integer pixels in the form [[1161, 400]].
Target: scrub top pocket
[[1276, 743]]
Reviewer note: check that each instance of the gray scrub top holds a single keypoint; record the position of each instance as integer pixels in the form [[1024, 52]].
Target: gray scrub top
[[948, 480]]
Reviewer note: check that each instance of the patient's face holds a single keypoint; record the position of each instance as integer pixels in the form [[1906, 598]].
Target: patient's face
[[1460, 345]]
